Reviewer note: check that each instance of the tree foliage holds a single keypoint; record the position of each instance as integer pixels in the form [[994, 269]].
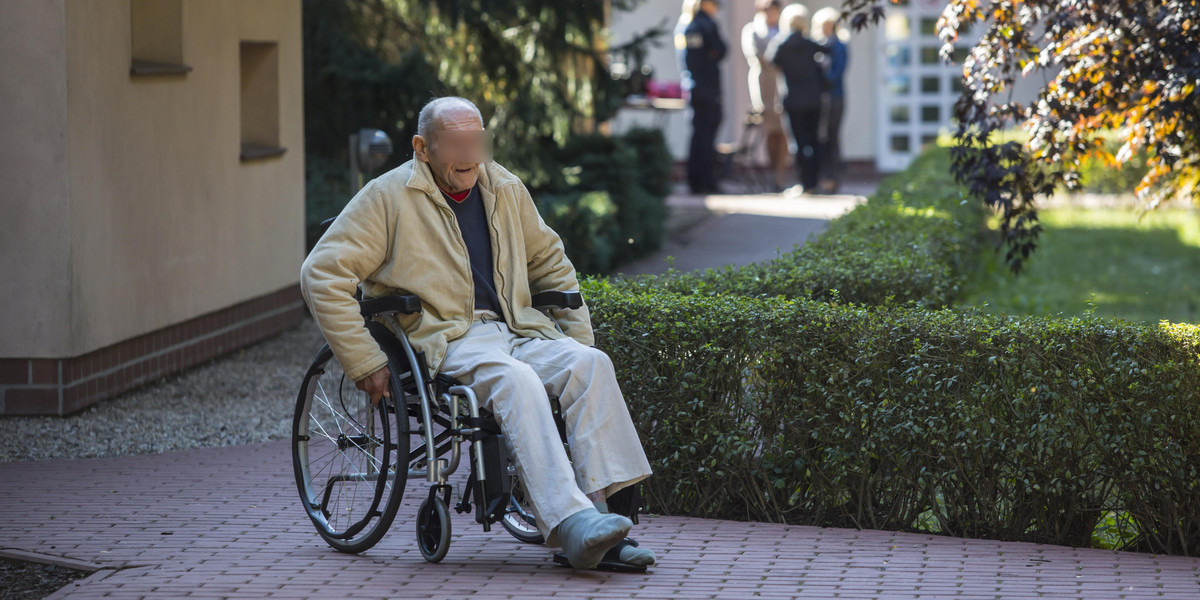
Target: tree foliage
[[359, 71], [536, 68], [1127, 66]]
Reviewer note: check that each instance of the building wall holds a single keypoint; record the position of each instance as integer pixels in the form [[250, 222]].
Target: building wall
[[35, 283], [858, 141], [134, 215], [171, 223]]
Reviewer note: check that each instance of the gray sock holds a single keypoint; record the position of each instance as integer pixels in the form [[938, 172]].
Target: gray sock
[[586, 535], [630, 554]]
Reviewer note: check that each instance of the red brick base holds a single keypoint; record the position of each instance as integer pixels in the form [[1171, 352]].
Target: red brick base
[[61, 386]]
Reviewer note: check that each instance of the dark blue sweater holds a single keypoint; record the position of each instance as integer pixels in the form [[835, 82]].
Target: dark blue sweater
[[473, 223]]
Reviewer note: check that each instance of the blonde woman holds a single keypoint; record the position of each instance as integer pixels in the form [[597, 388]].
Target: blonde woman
[[832, 38], [796, 56], [764, 86]]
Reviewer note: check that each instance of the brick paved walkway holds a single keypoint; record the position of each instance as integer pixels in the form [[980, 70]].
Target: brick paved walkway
[[226, 522]]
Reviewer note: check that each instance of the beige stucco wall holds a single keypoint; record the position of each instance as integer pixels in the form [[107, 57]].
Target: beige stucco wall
[[160, 219], [35, 282], [858, 129]]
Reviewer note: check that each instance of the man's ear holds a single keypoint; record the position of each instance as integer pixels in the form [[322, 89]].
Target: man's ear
[[420, 148]]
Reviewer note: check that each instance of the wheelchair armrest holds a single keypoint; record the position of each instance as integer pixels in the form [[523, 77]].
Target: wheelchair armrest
[[407, 304], [558, 299]]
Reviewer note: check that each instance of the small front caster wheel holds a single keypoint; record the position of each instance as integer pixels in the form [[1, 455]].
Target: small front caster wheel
[[433, 529]]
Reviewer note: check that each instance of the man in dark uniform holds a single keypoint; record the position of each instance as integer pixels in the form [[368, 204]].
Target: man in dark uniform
[[700, 44]]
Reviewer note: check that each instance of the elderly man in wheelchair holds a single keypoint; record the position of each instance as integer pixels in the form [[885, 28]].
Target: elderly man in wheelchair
[[454, 242]]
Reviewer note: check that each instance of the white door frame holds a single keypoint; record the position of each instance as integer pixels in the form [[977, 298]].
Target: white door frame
[[916, 90]]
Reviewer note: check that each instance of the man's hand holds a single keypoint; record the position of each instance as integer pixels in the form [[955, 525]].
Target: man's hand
[[376, 384]]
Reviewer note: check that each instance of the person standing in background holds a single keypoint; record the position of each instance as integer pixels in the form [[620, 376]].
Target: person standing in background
[[764, 84], [830, 37], [798, 58], [701, 48]]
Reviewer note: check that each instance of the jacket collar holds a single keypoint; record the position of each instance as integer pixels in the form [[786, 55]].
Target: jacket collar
[[491, 176]]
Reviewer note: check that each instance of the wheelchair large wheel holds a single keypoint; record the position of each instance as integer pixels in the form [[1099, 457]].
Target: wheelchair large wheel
[[345, 451], [519, 520]]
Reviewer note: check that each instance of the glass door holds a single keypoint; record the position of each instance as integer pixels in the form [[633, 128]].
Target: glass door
[[917, 89]]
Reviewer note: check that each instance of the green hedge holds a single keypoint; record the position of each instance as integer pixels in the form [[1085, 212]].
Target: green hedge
[[1035, 429], [820, 388], [913, 241]]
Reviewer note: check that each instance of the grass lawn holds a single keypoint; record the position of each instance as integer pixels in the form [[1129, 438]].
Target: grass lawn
[[1137, 269]]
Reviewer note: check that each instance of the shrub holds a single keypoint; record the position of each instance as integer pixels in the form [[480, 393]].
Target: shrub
[[653, 159], [326, 192], [913, 241], [1098, 175], [586, 222], [903, 418], [620, 166]]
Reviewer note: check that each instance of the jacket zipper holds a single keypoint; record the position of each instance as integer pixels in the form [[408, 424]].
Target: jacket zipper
[[466, 253], [496, 273]]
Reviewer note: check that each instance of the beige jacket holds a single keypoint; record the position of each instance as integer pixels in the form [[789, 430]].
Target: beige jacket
[[399, 236], [764, 76]]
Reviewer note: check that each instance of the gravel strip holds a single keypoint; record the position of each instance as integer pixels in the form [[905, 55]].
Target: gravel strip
[[19, 579], [244, 397]]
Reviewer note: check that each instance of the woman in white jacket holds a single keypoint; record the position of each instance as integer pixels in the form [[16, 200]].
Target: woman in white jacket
[[764, 86]]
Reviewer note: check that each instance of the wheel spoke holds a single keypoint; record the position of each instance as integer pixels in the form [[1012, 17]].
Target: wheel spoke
[[347, 454]]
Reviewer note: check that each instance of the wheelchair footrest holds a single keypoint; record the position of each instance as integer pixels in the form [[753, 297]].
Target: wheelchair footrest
[[492, 488]]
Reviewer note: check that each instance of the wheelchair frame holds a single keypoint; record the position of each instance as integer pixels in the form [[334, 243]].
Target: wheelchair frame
[[438, 401]]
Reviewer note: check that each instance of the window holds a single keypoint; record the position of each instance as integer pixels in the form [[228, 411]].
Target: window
[[929, 26], [898, 84], [156, 37], [929, 55], [898, 56], [260, 100]]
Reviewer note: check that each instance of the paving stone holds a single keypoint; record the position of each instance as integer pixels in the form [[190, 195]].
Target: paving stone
[[226, 523]]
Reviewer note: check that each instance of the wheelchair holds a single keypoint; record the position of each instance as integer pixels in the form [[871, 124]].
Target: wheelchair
[[352, 458], [739, 162]]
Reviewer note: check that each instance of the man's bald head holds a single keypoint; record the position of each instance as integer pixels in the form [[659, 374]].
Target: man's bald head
[[434, 113], [451, 140]]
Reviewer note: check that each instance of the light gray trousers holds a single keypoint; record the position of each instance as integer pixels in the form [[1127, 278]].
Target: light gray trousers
[[514, 376]]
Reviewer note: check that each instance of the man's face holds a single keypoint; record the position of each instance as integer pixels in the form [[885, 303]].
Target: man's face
[[772, 16], [710, 7], [458, 145]]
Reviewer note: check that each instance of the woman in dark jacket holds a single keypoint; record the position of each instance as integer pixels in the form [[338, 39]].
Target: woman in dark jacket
[[798, 58]]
